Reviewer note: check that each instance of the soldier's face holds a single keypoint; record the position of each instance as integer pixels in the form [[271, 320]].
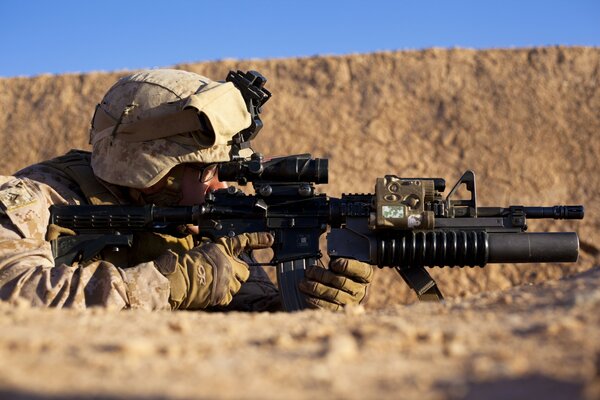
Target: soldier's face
[[196, 183]]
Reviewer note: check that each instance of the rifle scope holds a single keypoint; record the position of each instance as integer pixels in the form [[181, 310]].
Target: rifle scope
[[296, 168]]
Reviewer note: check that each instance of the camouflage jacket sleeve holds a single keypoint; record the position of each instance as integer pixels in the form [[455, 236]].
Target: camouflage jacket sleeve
[[27, 270]]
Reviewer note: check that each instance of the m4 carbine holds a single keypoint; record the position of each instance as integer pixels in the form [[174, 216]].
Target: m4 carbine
[[405, 224]]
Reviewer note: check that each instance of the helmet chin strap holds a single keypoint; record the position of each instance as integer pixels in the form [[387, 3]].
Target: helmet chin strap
[[169, 195]]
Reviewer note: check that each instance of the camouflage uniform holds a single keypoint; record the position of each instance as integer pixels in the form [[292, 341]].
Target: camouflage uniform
[[27, 270]]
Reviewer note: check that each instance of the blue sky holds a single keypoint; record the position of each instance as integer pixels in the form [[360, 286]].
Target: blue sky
[[80, 36]]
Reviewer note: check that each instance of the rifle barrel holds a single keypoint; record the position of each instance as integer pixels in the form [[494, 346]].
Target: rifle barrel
[[554, 212]]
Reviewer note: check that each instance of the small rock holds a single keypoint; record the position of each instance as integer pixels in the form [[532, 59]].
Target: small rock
[[342, 347], [132, 348], [179, 326], [284, 341], [353, 309], [454, 349]]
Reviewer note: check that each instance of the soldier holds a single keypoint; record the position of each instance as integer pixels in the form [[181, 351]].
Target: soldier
[[155, 138]]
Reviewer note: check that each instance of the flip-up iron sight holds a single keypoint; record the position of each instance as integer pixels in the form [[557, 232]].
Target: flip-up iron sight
[[251, 85]]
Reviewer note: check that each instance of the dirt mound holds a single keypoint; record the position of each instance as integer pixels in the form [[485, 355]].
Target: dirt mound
[[526, 121], [530, 342]]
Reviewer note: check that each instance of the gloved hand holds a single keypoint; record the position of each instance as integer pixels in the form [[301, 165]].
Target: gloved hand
[[209, 274], [344, 283]]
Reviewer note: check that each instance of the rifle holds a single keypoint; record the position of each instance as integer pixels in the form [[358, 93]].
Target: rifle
[[406, 224]]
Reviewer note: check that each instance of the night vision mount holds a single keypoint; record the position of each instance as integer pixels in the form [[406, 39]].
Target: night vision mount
[[251, 85]]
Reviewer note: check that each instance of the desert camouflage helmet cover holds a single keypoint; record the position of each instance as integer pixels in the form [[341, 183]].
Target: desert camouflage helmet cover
[[153, 120]]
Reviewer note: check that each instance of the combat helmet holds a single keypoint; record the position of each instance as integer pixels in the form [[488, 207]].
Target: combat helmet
[[153, 120]]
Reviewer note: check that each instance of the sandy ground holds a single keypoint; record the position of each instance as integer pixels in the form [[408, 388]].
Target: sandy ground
[[526, 120], [536, 341]]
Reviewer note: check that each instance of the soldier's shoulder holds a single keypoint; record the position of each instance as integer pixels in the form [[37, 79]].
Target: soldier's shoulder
[[46, 174], [22, 202], [54, 181]]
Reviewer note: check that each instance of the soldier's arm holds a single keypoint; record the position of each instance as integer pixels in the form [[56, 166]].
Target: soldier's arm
[[28, 273]]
